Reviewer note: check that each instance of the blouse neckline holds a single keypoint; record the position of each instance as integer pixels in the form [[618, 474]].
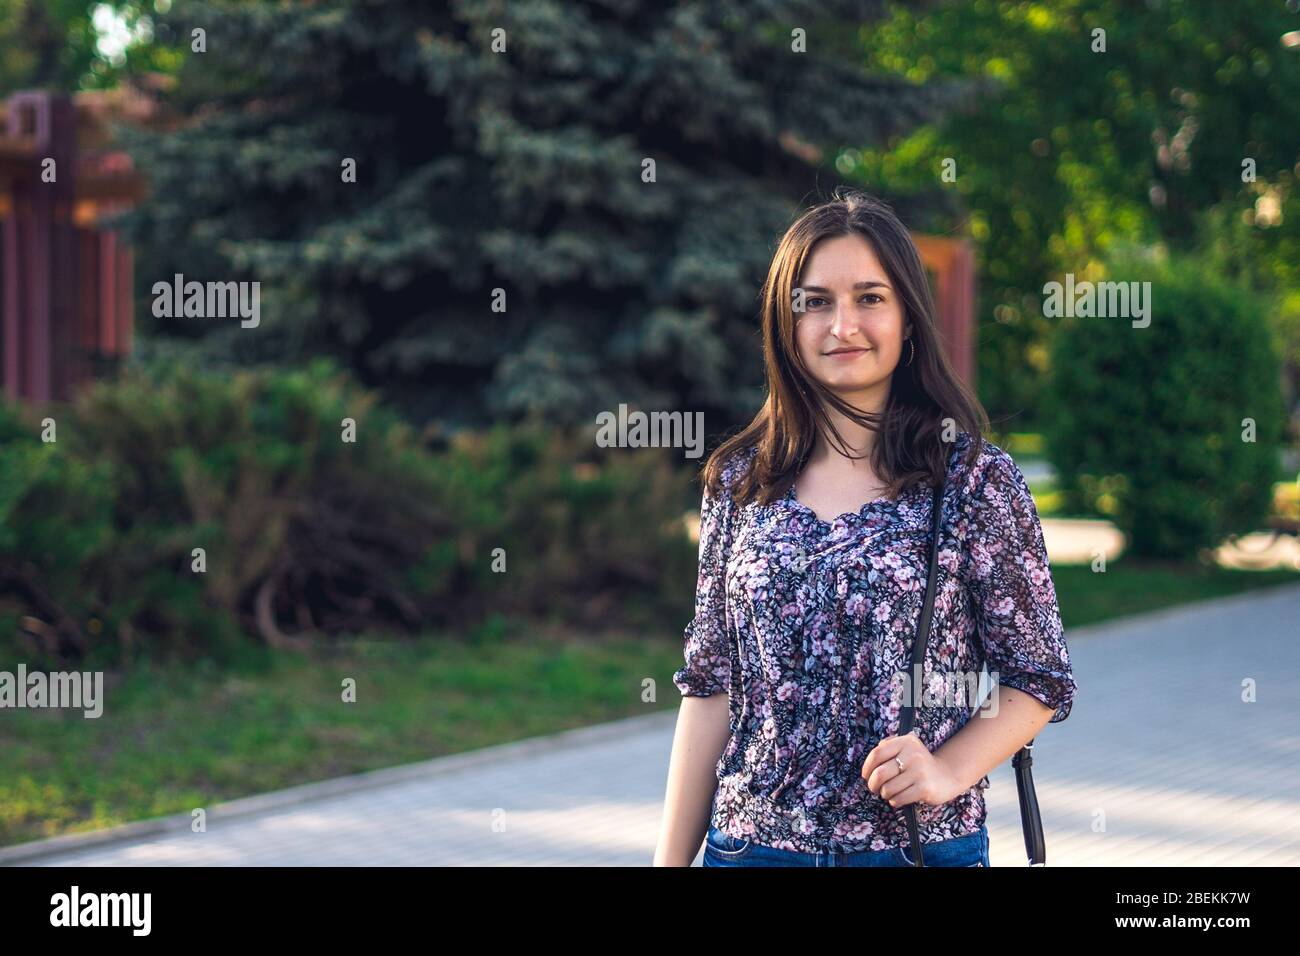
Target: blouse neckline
[[875, 504]]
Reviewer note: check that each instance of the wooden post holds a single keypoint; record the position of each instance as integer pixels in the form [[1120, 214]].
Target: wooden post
[[953, 263], [40, 251]]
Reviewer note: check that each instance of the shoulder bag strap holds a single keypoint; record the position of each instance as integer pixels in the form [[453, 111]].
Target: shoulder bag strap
[[916, 675], [1030, 817]]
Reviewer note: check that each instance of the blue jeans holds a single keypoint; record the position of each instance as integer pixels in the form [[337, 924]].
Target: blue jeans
[[722, 850]]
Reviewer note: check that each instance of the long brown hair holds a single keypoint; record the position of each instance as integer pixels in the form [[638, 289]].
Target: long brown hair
[[923, 394]]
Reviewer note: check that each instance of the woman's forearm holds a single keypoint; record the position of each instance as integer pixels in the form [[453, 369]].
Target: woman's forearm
[[987, 739], [703, 729]]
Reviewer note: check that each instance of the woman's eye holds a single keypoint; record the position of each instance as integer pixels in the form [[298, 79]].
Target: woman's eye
[[813, 300]]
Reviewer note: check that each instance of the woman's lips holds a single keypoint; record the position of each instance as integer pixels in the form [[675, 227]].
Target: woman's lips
[[847, 356]]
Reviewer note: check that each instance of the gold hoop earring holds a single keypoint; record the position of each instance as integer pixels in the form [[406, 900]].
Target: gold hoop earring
[[913, 355]]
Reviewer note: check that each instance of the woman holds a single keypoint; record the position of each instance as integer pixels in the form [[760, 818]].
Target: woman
[[814, 546]]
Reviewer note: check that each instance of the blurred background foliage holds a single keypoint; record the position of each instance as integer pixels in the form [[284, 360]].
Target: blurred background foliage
[[306, 536], [1069, 152], [1168, 419], [521, 171], [480, 170]]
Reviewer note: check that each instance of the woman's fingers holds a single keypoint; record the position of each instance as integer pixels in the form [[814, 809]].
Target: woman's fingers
[[884, 753], [902, 790], [882, 763]]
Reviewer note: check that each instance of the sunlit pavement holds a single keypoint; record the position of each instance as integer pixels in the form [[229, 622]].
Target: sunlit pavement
[[1078, 541]]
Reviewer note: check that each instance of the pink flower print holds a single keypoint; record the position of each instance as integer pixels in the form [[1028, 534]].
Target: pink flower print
[[854, 606]]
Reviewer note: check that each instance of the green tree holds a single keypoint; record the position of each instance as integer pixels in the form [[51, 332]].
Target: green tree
[[70, 45], [516, 167], [1071, 150]]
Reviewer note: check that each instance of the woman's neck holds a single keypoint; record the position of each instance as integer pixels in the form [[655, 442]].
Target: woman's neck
[[857, 438]]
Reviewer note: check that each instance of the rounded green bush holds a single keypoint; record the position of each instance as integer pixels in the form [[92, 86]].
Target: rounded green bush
[[1172, 425]]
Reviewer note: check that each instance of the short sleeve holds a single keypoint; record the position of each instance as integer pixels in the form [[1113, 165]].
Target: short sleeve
[[1012, 594], [707, 668]]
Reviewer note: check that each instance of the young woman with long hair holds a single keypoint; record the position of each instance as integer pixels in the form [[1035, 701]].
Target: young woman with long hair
[[814, 545]]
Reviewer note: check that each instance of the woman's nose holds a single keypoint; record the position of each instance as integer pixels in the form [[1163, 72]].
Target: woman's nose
[[845, 323]]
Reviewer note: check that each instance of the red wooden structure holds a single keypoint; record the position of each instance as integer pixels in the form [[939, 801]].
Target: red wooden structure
[[65, 283], [952, 261]]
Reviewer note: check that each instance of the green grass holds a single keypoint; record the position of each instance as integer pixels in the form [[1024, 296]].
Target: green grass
[[173, 738], [177, 737], [1129, 586]]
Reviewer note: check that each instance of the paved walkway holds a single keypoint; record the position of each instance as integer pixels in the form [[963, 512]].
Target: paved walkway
[[1161, 763]]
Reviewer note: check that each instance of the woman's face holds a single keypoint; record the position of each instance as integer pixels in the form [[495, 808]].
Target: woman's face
[[850, 303]]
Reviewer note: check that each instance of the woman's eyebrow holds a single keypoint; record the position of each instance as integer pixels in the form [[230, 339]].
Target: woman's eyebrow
[[864, 284]]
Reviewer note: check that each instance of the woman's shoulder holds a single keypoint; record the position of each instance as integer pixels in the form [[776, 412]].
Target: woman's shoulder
[[969, 470], [737, 463]]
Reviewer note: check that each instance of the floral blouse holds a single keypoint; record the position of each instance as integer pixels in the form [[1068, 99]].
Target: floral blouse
[[808, 625]]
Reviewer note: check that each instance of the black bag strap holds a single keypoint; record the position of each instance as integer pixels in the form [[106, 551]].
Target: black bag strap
[[915, 679], [1031, 819]]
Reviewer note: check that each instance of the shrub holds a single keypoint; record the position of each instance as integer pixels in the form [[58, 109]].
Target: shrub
[[306, 535], [55, 520], [302, 531], [582, 528], [1154, 417]]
